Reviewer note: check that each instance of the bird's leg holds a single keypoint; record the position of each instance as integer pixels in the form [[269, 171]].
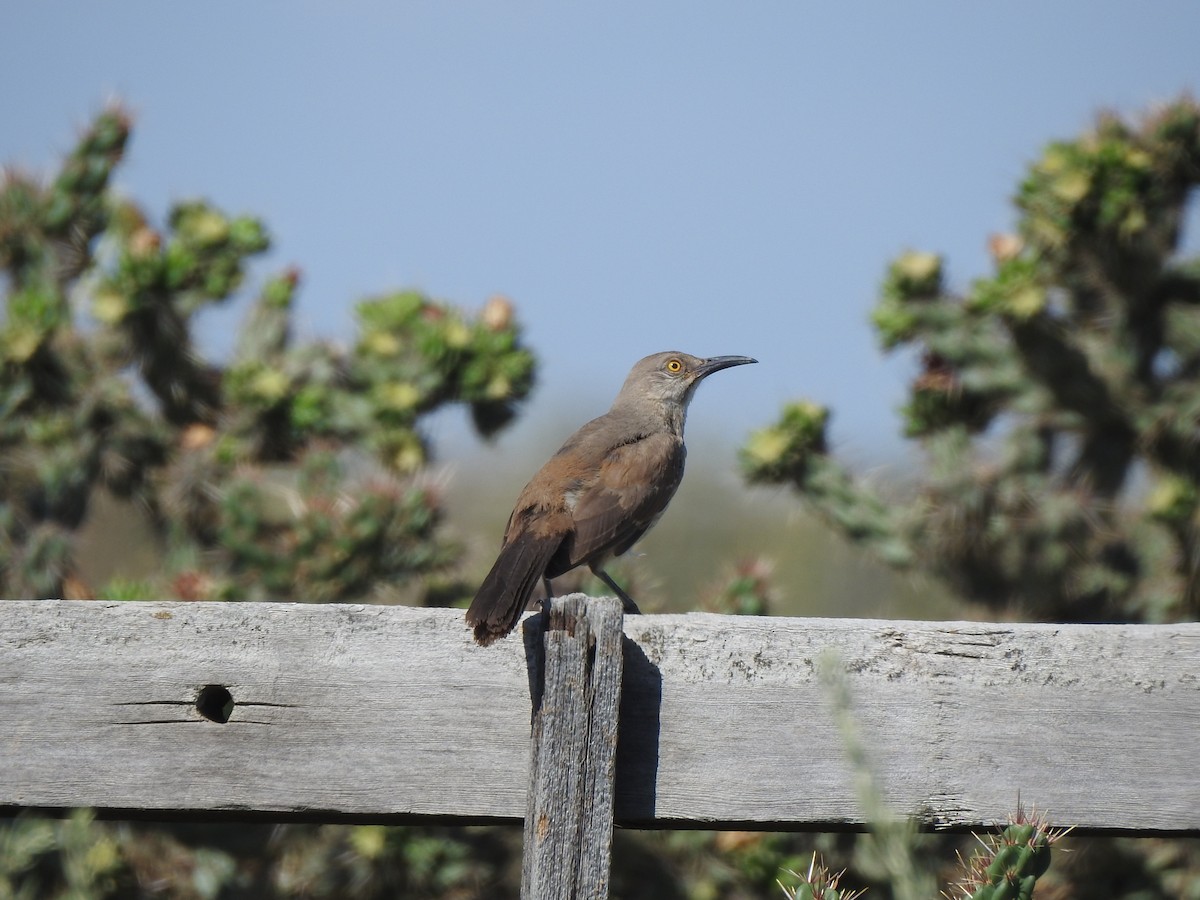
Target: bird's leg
[[548, 587], [626, 601]]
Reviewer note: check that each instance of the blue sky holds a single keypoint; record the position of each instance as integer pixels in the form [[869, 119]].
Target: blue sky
[[715, 178]]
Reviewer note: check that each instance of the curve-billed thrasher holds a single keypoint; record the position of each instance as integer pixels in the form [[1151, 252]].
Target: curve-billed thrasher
[[599, 493]]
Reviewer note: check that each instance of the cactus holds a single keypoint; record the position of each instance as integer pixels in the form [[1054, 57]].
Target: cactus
[[1008, 865], [294, 470], [818, 883], [746, 591], [1046, 393]]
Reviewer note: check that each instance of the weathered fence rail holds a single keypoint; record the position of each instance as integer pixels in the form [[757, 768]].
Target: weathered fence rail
[[378, 713]]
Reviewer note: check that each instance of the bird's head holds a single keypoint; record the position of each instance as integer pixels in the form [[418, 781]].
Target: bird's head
[[671, 377]]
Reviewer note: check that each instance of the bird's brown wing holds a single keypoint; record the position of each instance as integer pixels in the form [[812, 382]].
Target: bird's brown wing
[[634, 484]]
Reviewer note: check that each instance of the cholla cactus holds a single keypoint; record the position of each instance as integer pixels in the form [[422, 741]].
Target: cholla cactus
[[292, 471], [1049, 396], [1007, 866], [818, 883], [745, 591]]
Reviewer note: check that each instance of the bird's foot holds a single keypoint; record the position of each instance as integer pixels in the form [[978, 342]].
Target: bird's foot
[[627, 603]]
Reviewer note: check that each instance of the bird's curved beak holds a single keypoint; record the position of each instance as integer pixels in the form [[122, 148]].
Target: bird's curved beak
[[717, 363]]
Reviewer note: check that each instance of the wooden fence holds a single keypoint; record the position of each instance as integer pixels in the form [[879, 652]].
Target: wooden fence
[[391, 714]]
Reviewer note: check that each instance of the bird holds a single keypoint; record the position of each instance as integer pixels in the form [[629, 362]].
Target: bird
[[603, 489]]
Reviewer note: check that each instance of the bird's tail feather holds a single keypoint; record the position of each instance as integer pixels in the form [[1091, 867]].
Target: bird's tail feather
[[505, 591]]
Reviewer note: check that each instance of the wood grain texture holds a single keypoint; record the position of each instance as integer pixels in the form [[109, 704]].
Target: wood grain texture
[[389, 713], [569, 818]]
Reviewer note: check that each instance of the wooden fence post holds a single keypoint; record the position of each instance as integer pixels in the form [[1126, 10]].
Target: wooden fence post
[[569, 816]]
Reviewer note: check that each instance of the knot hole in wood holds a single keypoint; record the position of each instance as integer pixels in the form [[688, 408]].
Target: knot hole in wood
[[215, 703]]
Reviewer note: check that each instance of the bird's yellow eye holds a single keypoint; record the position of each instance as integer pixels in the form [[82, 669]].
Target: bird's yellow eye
[[674, 366]]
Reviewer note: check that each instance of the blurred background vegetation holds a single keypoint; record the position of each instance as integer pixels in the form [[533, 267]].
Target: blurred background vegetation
[[1057, 477]]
